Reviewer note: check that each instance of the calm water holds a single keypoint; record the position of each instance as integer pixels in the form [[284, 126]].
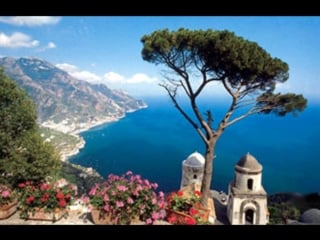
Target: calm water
[[154, 141]]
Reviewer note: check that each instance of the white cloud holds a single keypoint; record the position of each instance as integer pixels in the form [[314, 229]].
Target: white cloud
[[138, 78], [86, 76], [67, 67], [76, 73], [139, 84], [51, 45], [17, 40], [112, 77], [141, 78], [30, 21]]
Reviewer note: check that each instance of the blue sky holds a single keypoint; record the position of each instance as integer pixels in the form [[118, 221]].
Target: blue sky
[[108, 49]]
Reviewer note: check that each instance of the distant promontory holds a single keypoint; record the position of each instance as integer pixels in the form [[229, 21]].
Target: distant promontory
[[66, 104]]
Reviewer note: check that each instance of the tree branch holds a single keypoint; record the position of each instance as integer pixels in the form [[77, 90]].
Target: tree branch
[[250, 112], [185, 88], [201, 120], [204, 83], [172, 95], [224, 82]]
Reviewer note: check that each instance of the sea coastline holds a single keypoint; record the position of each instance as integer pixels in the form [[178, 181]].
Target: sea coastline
[[67, 153]]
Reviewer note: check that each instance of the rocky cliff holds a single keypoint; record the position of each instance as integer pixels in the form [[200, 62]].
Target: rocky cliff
[[63, 102]]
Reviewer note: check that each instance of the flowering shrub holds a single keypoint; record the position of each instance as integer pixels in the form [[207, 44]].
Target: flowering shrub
[[6, 195], [126, 197], [46, 196], [184, 207], [182, 201]]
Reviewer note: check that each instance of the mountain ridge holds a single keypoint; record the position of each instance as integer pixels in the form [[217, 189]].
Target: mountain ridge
[[63, 102]]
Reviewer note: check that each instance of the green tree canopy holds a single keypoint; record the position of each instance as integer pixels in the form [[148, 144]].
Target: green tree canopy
[[23, 153], [196, 58]]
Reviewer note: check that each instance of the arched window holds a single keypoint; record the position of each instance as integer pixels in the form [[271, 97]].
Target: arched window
[[249, 215], [195, 176], [250, 184]]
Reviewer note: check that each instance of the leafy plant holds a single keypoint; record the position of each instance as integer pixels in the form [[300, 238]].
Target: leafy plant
[[46, 196], [184, 207], [126, 197], [23, 153]]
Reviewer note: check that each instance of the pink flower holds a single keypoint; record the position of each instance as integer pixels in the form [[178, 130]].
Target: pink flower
[[154, 201], [139, 188], [155, 215], [154, 185], [119, 204], [93, 191], [148, 221], [122, 188], [5, 194], [161, 204], [126, 196], [147, 183], [106, 198], [106, 208], [162, 214], [135, 193], [130, 200], [85, 199]]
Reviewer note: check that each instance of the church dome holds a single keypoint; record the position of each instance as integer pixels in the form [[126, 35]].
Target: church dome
[[248, 164], [195, 160], [311, 216]]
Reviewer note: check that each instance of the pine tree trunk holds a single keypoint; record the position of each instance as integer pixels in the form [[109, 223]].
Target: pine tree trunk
[[208, 172]]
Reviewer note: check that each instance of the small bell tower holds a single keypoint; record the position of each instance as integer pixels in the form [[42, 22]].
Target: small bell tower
[[247, 202]]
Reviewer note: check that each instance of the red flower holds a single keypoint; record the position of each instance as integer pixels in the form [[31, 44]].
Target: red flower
[[46, 195], [62, 203], [68, 197], [190, 221], [193, 211], [198, 193], [187, 202], [30, 200], [172, 219], [60, 195], [170, 196], [44, 186], [180, 193]]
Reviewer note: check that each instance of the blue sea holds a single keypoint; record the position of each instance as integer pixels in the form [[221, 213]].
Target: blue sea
[[154, 141]]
